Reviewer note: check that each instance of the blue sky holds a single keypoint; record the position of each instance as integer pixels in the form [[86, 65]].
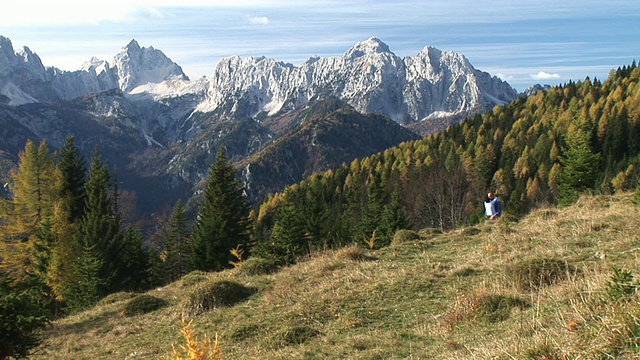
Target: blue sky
[[544, 41]]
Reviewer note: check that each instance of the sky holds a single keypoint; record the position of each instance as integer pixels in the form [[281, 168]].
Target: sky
[[545, 41]]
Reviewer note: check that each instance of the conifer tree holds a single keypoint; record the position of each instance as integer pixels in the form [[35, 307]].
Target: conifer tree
[[223, 219], [177, 248], [87, 286], [373, 208], [134, 261], [315, 215], [288, 240], [98, 233], [580, 166], [394, 216], [35, 192], [73, 171]]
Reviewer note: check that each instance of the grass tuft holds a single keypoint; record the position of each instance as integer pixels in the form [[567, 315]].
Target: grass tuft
[[143, 304], [193, 277], [534, 274], [258, 266], [295, 335], [218, 293]]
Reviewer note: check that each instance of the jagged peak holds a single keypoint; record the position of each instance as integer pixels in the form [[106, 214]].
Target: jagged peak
[[132, 46], [373, 45]]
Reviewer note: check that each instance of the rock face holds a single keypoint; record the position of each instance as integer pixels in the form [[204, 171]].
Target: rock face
[[158, 127], [23, 78], [369, 77]]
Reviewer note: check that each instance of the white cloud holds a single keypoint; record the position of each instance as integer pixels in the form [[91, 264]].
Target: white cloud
[[259, 20], [544, 76]]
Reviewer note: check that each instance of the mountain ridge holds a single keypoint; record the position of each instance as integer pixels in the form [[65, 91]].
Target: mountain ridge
[[161, 126]]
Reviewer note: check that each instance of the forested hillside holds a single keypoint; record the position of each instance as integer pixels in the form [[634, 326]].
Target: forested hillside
[[543, 150]]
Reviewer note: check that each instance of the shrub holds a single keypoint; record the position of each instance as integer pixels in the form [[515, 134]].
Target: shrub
[[402, 236], [621, 285], [353, 253], [21, 322], [471, 231], [116, 297], [295, 336], [429, 232], [483, 306], [495, 308], [256, 265], [537, 273], [216, 294], [193, 277], [195, 349], [143, 304]]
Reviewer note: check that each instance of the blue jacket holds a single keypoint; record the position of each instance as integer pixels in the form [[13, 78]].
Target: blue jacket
[[493, 207]]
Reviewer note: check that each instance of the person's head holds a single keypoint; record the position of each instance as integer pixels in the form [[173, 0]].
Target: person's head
[[490, 196]]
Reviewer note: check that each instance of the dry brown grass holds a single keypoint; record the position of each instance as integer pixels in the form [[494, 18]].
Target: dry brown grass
[[442, 296]]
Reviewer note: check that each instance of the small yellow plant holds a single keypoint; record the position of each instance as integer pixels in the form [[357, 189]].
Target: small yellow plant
[[371, 241], [197, 351], [237, 253]]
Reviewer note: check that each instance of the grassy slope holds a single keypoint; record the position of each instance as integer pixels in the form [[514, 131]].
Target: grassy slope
[[447, 296]]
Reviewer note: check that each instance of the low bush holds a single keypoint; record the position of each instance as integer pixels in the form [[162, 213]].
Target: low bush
[[116, 297], [193, 278], [258, 266], [402, 236], [429, 232], [295, 336], [143, 304], [218, 293], [535, 274]]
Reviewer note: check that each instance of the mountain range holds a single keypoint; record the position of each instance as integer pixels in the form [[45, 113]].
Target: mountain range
[[160, 131]]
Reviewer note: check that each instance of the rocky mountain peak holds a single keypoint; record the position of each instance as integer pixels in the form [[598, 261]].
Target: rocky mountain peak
[[372, 45], [138, 66]]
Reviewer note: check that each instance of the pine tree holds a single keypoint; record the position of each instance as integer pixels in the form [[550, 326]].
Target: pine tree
[[177, 248], [315, 215], [98, 233], [73, 171], [394, 216], [288, 239], [134, 263], [223, 220], [372, 211], [21, 320], [88, 284], [580, 166]]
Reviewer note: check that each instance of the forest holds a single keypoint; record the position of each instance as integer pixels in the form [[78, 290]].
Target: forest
[[66, 243]]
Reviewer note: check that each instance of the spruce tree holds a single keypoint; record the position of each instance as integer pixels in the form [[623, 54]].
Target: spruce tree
[[177, 247], [73, 171], [223, 219], [288, 239], [372, 211], [580, 166], [98, 233], [134, 262], [394, 216]]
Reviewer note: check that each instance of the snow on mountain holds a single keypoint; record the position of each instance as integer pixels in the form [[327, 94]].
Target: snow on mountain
[[133, 66], [368, 76], [137, 66]]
